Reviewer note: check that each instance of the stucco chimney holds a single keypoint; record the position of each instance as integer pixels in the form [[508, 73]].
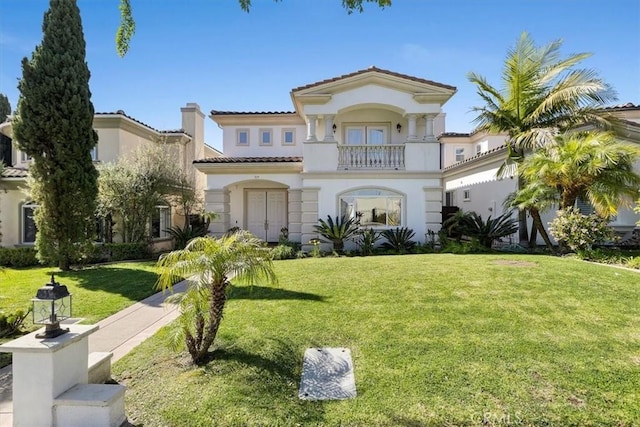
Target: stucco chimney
[[193, 124]]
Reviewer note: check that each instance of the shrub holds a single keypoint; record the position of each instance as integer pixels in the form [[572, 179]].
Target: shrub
[[283, 252], [337, 231], [580, 232], [459, 248], [10, 322], [182, 235], [473, 226], [399, 239], [18, 257], [367, 239], [126, 251], [633, 262]]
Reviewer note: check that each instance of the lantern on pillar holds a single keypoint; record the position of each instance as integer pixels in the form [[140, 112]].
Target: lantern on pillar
[[51, 305]]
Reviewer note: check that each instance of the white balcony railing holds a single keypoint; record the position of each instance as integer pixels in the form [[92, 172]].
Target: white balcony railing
[[371, 156]]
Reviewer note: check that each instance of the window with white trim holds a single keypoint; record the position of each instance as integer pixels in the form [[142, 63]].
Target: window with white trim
[[160, 222], [242, 136], [24, 157], [373, 207], [466, 195], [28, 223], [459, 154], [288, 136], [478, 149], [94, 153], [266, 136]]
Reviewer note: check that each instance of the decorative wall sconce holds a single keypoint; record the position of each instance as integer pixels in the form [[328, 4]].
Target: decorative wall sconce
[[399, 127], [334, 128]]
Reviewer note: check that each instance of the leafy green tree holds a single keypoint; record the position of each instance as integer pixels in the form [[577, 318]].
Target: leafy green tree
[[5, 107], [209, 264], [542, 94], [132, 188], [54, 125], [592, 166], [127, 27]]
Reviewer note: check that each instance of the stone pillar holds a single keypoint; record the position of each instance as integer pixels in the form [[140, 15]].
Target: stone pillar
[[295, 215], [44, 369], [311, 129], [429, 136], [309, 210], [412, 133], [217, 201], [328, 128]]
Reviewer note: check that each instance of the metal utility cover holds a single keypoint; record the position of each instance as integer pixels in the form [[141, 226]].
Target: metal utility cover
[[327, 374]]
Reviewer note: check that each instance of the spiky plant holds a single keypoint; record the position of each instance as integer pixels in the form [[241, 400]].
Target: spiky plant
[[338, 231]]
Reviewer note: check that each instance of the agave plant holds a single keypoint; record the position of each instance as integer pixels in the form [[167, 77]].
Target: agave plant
[[486, 232], [338, 231], [399, 239]]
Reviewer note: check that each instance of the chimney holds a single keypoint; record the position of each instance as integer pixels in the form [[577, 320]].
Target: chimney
[[193, 124]]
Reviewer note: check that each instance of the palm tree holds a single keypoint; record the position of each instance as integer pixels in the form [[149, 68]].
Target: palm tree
[[209, 264], [536, 198], [542, 95], [592, 166]]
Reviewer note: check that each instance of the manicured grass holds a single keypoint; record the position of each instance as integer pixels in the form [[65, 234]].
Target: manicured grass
[[98, 291], [436, 340]]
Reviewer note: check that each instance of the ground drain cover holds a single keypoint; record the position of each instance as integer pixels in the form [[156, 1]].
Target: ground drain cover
[[327, 374]]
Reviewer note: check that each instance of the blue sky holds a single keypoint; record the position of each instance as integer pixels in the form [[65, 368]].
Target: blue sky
[[212, 53]]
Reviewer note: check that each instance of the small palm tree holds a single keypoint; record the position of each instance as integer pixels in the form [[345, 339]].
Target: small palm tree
[[487, 231], [592, 166], [209, 263], [338, 230], [536, 198]]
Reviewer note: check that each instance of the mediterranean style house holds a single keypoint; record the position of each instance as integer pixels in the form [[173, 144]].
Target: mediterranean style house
[[119, 136], [369, 145]]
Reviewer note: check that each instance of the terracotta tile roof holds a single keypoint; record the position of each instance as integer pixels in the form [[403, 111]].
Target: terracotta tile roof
[[234, 113], [122, 113], [455, 134], [11, 172], [627, 106], [250, 160], [477, 156], [380, 70]]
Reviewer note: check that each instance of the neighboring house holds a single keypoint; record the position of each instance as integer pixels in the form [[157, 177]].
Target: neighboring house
[[369, 145], [471, 162], [119, 135], [361, 145]]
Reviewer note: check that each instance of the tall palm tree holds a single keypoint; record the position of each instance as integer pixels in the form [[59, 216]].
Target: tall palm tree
[[542, 94], [209, 264], [592, 166], [536, 198]]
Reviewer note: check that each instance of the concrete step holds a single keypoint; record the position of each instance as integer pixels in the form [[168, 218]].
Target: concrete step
[[96, 405]]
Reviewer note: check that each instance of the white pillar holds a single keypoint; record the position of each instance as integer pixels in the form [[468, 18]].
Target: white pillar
[[328, 128], [429, 136], [45, 368], [311, 129], [412, 134]]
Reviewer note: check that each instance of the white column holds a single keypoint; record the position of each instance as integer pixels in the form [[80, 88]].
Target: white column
[[429, 136], [328, 128], [412, 134], [311, 129]]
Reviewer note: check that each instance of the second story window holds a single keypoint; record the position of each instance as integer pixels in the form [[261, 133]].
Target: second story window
[[242, 137], [459, 154], [94, 153], [288, 136], [266, 136]]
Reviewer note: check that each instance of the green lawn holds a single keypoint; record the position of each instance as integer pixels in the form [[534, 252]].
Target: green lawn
[[98, 291], [436, 340]]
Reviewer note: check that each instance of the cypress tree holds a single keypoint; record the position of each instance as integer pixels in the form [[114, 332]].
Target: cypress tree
[[5, 141], [54, 125]]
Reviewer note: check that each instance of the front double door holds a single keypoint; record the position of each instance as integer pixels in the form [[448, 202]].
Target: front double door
[[266, 213]]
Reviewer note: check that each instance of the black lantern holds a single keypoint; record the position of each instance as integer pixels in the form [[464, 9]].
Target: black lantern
[[399, 127], [334, 127], [51, 305]]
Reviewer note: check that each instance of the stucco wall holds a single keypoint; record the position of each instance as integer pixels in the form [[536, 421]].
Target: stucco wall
[[254, 149]]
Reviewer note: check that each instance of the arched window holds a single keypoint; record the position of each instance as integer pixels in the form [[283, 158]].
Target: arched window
[[373, 207], [28, 223]]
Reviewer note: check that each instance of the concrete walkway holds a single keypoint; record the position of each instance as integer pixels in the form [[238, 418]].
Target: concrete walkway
[[119, 334]]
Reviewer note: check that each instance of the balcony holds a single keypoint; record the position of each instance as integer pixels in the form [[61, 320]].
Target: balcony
[[388, 156]]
